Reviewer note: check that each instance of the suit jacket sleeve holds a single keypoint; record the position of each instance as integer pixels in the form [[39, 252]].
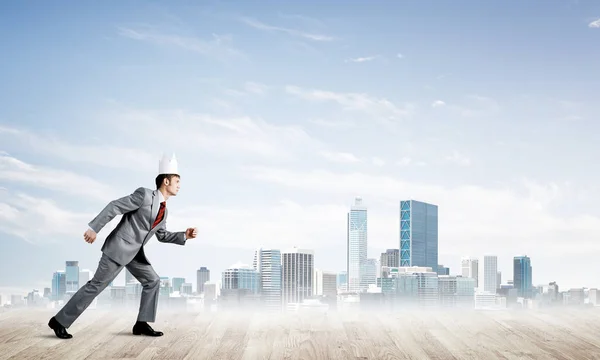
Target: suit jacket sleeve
[[118, 207], [165, 236]]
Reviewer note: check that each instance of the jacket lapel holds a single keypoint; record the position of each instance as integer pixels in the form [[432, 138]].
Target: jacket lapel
[[154, 208]]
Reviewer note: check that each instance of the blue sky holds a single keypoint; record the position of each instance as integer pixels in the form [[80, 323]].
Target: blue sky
[[280, 114]]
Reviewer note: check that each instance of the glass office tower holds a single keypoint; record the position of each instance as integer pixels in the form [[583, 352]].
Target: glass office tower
[[522, 280], [418, 234]]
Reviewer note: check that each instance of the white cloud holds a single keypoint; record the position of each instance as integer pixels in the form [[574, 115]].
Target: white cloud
[[304, 19], [473, 219], [249, 88], [594, 24], [400, 56], [404, 161], [313, 216], [477, 106], [362, 59], [341, 157], [334, 124], [438, 103], [382, 109], [262, 26], [21, 173], [237, 136], [256, 88], [219, 46], [458, 158], [280, 225], [37, 220], [349, 158], [378, 161], [101, 154]]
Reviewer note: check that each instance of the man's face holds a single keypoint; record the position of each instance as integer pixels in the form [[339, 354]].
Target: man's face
[[172, 186]]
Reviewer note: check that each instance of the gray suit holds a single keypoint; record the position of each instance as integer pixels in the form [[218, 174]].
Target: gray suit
[[123, 247]]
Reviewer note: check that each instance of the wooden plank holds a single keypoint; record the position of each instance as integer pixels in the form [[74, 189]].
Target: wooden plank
[[407, 334]]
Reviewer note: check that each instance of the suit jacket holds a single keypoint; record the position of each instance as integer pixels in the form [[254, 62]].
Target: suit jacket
[[139, 211]]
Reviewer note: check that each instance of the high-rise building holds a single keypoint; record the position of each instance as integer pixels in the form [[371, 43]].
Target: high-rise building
[[59, 285], [267, 262], [177, 282], [369, 272], [240, 276], [342, 281], [85, 275], [522, 277], [72, 276], [325, 283], [356, 245], [390, 258], [470, 269], [488, 274], [297, 269], [202, 276], [418, 234]]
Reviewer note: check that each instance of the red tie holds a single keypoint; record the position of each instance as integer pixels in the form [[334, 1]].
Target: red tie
[[161, 214]]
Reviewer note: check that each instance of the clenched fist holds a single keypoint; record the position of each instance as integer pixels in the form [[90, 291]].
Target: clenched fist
[[191, 233], [89, 236]]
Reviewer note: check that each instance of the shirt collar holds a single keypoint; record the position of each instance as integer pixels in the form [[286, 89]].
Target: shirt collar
[[161, 198]]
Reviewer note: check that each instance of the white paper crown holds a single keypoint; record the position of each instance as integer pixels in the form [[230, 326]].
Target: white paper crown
[[167, 166]]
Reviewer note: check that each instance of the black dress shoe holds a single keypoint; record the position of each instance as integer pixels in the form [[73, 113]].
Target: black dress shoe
[[59, 330], [142, 328]]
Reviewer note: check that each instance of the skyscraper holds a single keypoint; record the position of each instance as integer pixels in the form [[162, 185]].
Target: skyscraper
[[391, 258], [267, 262], [297, 269], [470, 268], [489, 278], [522, 277], [59, 287], [202, 276], [418, 234], [72, 276], [356, 245]]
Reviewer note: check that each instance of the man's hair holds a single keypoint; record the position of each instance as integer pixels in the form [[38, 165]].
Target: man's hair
[[160, 178]]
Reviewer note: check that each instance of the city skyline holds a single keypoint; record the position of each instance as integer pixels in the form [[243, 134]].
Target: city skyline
[[280, 115], [269, 268], [485, 273]]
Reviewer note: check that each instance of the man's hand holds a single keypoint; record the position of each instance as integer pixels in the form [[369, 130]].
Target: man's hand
[[89, 236], [191, 233]]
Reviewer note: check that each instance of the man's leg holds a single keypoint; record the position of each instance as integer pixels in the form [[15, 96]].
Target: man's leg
[[106, 272], [150, 281]]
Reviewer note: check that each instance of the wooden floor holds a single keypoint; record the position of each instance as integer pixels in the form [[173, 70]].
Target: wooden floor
[[556, 334]]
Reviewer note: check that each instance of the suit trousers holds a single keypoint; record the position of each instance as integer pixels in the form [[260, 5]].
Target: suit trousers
[[107, 271]]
